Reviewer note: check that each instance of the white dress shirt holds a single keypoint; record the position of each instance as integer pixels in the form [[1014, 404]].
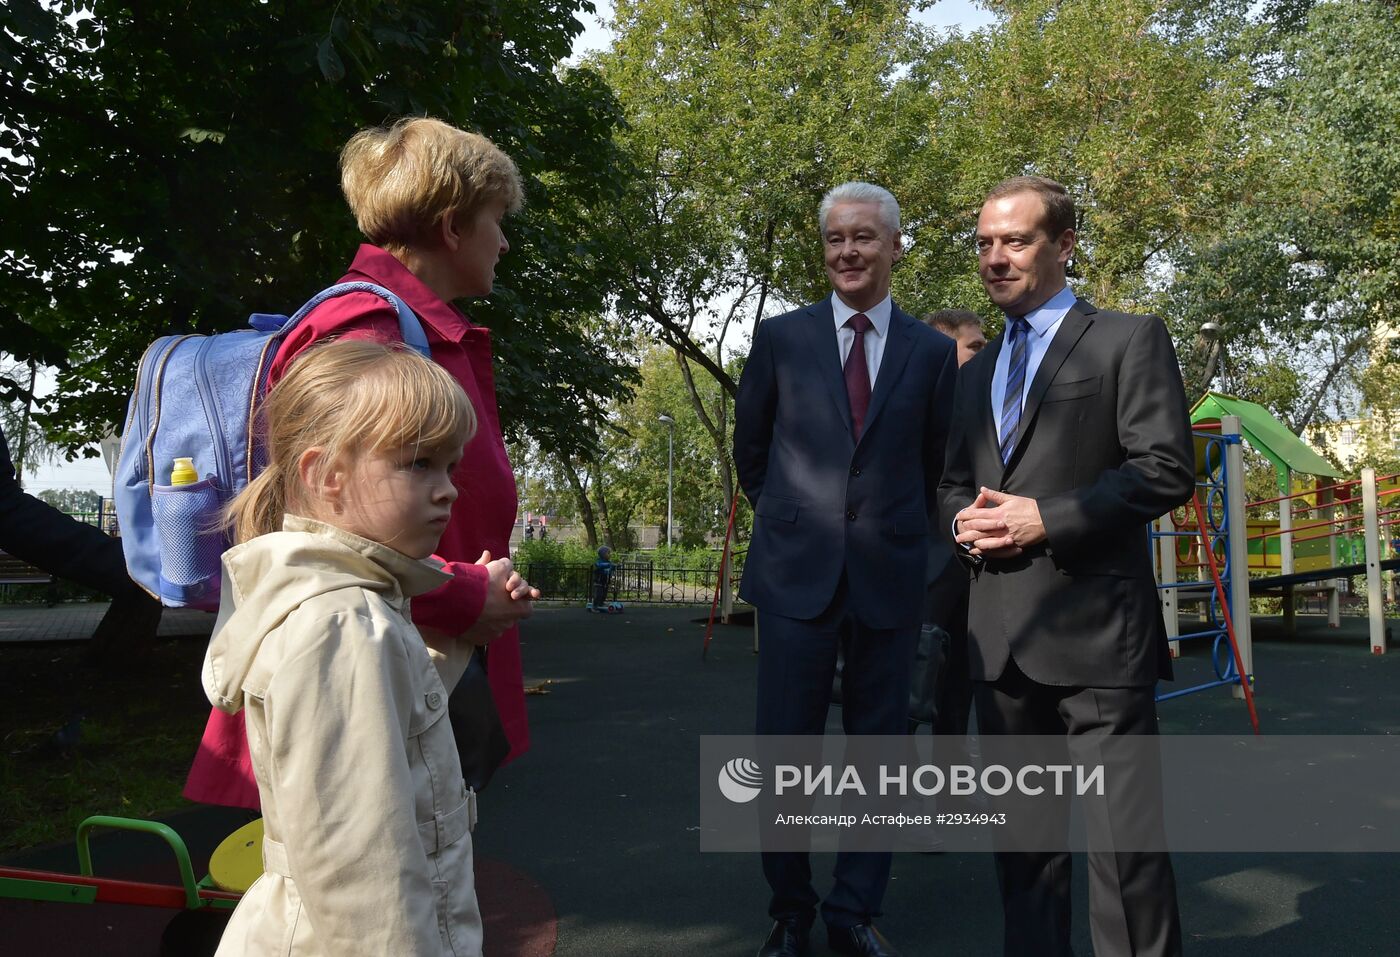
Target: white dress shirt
[[1044, 323], [875, 337]]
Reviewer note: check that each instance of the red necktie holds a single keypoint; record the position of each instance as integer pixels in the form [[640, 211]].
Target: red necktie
[[858, 374]]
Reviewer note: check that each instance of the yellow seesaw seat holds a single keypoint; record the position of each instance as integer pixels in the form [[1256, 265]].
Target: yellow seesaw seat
[[237, 862]]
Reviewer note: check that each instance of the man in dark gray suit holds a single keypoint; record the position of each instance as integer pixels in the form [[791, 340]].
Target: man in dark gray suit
[[1070, 434], [839, 431]]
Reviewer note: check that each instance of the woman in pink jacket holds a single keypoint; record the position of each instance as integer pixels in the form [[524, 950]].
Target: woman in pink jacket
[[430, 199]]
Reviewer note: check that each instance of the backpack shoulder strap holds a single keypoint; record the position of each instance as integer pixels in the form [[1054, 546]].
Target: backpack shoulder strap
[[409, 325]]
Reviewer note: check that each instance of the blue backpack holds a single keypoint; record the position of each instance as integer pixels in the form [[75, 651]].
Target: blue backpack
[[199, 397]]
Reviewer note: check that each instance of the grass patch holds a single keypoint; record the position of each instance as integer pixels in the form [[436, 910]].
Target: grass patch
[[140, 725]]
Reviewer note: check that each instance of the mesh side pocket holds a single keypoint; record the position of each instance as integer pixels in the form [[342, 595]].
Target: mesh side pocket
[[187, 522]]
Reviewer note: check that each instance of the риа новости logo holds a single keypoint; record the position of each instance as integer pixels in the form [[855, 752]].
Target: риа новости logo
[[740, 780]]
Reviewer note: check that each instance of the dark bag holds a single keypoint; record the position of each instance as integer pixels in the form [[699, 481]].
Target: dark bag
[[481, 739], [930, 658]]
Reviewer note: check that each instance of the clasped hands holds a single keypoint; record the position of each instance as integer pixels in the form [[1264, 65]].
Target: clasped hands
[[998, 525], [509, 598]]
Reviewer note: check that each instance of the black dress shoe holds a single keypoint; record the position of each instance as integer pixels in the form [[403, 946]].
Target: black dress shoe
[[862, 940], [788, 938]]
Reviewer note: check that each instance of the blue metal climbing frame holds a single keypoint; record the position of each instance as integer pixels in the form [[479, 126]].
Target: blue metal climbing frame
[[1205, 526]]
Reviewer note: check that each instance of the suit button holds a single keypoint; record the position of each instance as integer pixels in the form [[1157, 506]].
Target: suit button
[[434, 700], [854, 470], [851, 516]]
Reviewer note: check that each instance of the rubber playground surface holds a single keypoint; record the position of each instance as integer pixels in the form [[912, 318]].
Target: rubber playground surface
[[588, 846]]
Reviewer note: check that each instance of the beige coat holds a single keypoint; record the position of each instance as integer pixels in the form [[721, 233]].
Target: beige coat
[[367, 819]]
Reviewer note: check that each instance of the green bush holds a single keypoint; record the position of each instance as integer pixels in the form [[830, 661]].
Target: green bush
[[553, 551], [678, 557]]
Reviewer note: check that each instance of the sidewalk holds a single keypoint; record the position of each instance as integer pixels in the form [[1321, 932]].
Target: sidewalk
[[76, 621], [596, 828]]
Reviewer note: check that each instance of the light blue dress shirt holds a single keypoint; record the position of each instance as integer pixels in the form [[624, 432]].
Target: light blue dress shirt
[[1044, 322]]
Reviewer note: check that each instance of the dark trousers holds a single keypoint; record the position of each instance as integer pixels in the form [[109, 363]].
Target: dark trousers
[[1132, 895], [602, 578], [796, 666]]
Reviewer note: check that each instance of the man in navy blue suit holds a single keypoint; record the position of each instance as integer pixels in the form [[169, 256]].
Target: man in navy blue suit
[[839, 431]]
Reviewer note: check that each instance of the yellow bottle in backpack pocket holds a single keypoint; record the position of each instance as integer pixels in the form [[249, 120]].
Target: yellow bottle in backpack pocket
[[184, 472]]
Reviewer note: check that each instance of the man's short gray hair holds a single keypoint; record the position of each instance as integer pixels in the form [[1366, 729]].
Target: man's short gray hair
[[856, 192]]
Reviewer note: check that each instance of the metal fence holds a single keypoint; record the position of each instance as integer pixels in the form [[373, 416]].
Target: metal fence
[[104, 516], [637, 582]]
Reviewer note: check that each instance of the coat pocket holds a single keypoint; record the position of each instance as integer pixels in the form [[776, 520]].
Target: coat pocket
[[1078, 389], [777, 508], [436, 768]]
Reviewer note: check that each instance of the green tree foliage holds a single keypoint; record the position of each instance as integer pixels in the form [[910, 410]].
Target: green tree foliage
[[634, 463], [74, 501], [740, 117], [173, 168], [1304, 275], [626, 482], [29, 446]]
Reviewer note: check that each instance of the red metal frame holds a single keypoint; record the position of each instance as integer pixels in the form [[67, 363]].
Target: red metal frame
[[719, 579], [111, 891], [1225, 610]]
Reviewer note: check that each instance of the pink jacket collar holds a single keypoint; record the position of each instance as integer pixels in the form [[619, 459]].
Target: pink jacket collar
[[379, 266]]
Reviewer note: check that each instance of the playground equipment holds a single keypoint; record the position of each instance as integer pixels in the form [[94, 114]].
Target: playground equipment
[[1312, 537], [1272, 547], [1314, 534], [723, 603], [1199, 561], [197, 901], [1355, 542]]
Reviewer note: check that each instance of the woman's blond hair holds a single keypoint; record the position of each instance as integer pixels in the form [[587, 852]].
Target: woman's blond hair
[[348, 397], [401, 180]]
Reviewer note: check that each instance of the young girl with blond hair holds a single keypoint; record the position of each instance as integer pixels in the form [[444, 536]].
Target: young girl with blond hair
[[367, 846]]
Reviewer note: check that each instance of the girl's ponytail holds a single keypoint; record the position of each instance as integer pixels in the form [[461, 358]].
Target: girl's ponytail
[[259, 508]]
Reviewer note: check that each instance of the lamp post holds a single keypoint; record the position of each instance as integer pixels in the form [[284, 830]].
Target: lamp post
[[670, 444], [1211, 335]]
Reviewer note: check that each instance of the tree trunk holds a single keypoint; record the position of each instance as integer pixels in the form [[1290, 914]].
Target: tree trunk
[[24, 426], [715, 425], [585, 507], [600, 493]]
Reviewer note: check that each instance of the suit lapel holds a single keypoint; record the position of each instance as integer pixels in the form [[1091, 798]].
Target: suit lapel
[[1072, 329], [988, 428], [826, 357], [898, 345]]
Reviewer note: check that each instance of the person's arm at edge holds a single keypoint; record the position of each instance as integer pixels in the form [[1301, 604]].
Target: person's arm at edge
[[755, 406], [939, 419], [36, 532]]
